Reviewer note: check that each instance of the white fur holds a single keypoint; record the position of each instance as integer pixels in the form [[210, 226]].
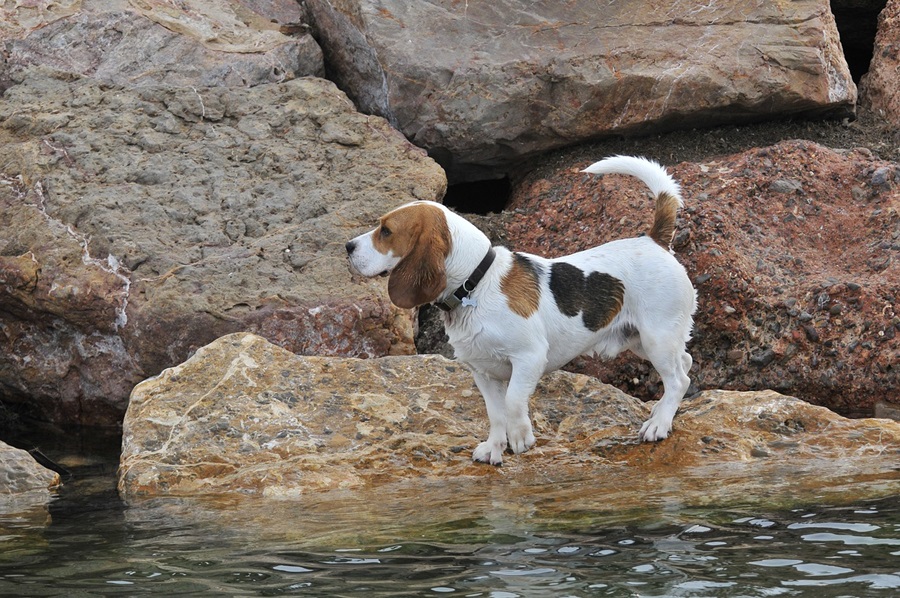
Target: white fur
[[368, 261], [508, 354], [657, 179]]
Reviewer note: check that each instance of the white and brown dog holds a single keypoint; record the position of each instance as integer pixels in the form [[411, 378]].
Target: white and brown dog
[[513, 317]]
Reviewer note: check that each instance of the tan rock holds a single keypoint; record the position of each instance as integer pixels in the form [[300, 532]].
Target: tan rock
[[21, 474], [243, 416], [21, 17]]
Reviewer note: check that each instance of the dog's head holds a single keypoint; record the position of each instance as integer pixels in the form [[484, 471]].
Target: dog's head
[[411, 244]]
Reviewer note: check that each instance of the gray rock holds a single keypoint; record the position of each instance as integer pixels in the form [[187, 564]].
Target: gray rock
[[786, 186], [148, 43], [483, 84], [139, 225]]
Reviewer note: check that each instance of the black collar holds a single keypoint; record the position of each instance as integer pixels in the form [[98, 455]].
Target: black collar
[[455, 299]]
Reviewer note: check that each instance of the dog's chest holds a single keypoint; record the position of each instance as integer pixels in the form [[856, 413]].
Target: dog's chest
[[479, 347]]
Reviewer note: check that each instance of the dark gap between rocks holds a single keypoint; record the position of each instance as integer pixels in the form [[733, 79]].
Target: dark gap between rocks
[[857, 24], [479, 197]]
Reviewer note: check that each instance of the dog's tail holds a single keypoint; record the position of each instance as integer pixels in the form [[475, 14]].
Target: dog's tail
[[661, 185]]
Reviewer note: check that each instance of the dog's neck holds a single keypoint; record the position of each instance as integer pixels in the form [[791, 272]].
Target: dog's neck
[[464, 256]]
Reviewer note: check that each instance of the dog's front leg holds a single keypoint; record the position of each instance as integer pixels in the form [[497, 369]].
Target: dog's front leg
[[494, 393], [526, 373]]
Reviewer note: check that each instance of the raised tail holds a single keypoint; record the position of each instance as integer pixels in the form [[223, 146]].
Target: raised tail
[[661, 185]]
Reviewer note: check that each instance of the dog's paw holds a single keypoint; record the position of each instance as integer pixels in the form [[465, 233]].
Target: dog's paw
[[521, 436], [655, 429], [489, 451]]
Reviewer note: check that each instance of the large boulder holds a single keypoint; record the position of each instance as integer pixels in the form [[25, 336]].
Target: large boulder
[[243, 416], [792, 249], [880, 88], [482, 84], [147, 42], [139, 225]]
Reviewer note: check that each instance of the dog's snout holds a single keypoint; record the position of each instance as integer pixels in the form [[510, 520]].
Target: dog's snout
[[350, 247]]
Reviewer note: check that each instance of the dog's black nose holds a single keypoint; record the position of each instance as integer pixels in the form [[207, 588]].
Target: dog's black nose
[[350, 246]]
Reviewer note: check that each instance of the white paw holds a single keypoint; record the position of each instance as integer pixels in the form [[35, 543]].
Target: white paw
[[656, 428], [521, 436], [490, 451]]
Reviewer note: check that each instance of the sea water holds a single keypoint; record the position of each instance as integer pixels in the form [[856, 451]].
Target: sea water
[[448, 541]]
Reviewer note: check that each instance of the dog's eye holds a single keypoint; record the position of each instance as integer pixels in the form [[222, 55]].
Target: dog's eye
[[385, 231]]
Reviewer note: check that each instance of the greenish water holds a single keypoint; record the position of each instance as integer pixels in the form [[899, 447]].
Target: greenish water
[[410, 542]]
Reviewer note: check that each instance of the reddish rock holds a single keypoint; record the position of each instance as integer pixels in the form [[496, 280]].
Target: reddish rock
[[880, 87], [793, 251]]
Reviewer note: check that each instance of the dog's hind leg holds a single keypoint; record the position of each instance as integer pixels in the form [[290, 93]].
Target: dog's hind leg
[[673, 364]]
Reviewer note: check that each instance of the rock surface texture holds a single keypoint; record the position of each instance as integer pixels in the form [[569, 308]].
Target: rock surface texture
[[880, 88], [174, 171], [20, 474], [147, 42], [141, 224], [793, 252], [243, 416], [482, 84]]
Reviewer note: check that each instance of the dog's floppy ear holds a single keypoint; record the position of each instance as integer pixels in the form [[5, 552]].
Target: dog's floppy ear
[[420, 277]]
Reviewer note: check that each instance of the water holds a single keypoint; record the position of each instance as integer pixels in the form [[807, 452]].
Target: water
[[447, 540]]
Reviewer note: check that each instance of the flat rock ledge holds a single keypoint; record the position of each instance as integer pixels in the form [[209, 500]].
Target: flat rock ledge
[[246, 417]]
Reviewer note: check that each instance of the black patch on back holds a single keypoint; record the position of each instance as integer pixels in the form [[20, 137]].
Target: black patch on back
[[530, 265], [597, 296], [567, 286]]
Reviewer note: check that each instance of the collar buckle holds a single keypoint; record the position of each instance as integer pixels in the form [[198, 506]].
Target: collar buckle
[[455, 299]]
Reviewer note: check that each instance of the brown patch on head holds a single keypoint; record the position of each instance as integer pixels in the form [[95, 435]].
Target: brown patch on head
[[521, 286], [663, 229], [419, 234]]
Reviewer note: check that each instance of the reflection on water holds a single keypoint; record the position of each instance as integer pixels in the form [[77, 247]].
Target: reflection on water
[[176, 547], [456, 539]]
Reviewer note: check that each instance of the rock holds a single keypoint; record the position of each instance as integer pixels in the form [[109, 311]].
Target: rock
[[857, 22], [786, 186], [243, 416], [21, 474], [23, 17], [481, 85], [887, 411], [763, 358], [141, 224], [880, 87], [751, 247], [151, 42]]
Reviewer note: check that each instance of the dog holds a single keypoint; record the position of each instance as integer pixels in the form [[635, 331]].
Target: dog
[[512, 317]]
